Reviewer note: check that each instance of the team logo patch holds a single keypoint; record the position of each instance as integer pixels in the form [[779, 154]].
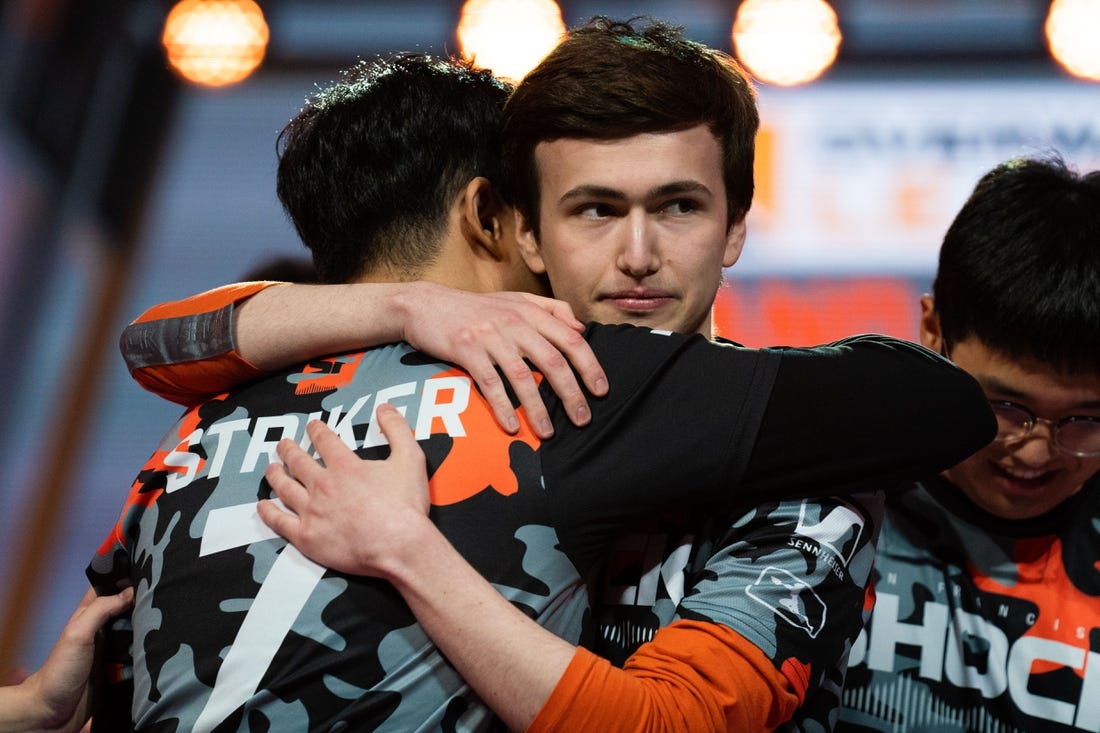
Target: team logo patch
[[789, 598]]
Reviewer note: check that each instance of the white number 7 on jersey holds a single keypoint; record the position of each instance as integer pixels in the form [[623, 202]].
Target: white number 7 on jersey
[[280, 599]]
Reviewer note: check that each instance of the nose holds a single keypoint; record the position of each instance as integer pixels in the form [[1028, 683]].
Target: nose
[[638, 255], [1036, 447]]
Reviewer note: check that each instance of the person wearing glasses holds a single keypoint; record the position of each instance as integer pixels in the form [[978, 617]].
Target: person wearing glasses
[[987, 580]]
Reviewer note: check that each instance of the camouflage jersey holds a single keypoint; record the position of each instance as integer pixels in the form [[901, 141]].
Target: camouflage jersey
[[790, 577], [981, 623], [234, 630], [710, 429]]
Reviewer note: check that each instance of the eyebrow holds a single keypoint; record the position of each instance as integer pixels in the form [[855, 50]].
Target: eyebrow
[[588, 190], [995, 385]]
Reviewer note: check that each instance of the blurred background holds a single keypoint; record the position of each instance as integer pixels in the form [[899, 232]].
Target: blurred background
[[137, 161]]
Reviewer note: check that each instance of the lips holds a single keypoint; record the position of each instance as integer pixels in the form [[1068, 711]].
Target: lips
[[638, 300], [1016, 479]]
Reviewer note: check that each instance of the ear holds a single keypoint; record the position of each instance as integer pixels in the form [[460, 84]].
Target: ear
[[529, 245], [735, 242], [931, 337], [481, 222]]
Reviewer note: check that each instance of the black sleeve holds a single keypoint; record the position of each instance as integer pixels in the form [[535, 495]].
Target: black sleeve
[[694, 425], [867, 412], [675, 430]]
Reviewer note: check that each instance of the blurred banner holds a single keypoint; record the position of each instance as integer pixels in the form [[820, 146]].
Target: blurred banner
[[792, 311], [865, 176]]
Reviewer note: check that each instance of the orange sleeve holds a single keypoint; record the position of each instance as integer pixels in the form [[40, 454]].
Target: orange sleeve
[[185, 350], [693, 676]]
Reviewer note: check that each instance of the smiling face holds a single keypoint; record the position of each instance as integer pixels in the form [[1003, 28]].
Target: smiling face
[[634, 230], [1025, 478]]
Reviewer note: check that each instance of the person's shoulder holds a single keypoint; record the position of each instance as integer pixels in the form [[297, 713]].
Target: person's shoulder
[[658, 342], [636, 355]]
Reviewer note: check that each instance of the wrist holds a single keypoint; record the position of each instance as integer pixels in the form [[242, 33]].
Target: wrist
[[403, 307], [400, 307], [413, 556]]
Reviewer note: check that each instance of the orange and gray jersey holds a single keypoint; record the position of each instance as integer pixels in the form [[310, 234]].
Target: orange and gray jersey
[[980, 623], [234, 630]]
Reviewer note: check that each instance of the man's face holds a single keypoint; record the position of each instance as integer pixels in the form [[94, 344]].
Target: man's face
[[634, 230], [1025, 478]]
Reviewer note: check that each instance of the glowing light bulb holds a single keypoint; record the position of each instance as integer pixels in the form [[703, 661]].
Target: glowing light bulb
[[1073, 34], [510, 37], [215, 42], [786, 42]]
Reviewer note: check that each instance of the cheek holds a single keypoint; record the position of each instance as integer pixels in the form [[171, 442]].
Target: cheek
[[577, 262], [1089, 467], [982, 462], [562, 268], [703, 272]]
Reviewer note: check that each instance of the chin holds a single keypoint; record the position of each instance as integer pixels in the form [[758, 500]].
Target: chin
[[1016, 510]]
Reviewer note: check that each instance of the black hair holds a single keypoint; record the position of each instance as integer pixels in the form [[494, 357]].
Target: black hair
[[1019, 268], [369, 168]]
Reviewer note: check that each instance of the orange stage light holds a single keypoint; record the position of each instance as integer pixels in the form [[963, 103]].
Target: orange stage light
[[215, 42], [510, 37]]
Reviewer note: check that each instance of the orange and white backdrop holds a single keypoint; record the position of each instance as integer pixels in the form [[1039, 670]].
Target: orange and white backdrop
[[856, 183]]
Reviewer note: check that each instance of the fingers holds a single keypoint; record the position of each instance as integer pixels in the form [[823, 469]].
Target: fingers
[[93, 611], [555, 351], [550, 346], [508, 355], [570, 342], [482, 351], [296, 461], [484, 373], [403, 445], [511, 332], [519, 375], [563, 352], [282, 522], [292, 493], [330, 447], [105, 607], [557, 308], [285, 522], [579, 353]]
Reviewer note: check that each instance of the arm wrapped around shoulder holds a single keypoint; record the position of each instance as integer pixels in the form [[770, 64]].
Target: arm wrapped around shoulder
[[866, 413], [692, 676], [185, 351]]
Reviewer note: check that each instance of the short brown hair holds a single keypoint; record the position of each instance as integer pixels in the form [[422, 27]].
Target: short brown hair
[[609, 80]]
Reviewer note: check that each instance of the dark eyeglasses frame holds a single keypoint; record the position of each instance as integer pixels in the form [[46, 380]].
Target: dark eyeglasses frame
[[1054, 426], [1033, 420]]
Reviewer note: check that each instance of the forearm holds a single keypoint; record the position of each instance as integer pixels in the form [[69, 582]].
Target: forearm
[[692, 676], [192, 349], [24, 709], [286, 325], [508, 659], [185, 350], [841, 419], [19, 711]]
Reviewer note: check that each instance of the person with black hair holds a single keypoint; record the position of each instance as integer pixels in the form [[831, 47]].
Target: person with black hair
[[987, 613]]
